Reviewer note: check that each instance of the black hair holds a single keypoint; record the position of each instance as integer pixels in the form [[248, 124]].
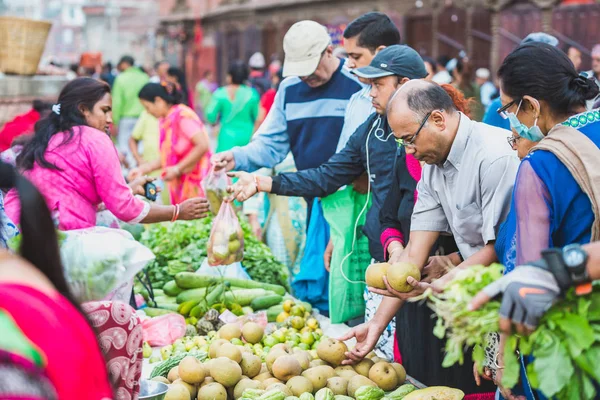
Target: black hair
[[443, 60], [80, 93], [238, 72], [566, 47], [166, 91], [182, 81], [545, 73], [431, 62], [158, 63], [128, 60], [41, 106], [108, 65], [39, 241], [373, 29], [430, 98]]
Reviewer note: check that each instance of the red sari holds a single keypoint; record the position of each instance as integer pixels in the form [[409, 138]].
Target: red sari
[[176, 132], [66, 344]]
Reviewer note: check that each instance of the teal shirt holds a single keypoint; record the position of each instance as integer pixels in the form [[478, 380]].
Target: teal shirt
[[127, 86], [237, 118]]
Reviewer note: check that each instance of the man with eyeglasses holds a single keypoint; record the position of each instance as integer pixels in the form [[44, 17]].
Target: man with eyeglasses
[[371, 148], [465, 189]]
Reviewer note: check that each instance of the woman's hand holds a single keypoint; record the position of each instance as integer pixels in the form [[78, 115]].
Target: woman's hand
[[437, 267], [245, 186], [137, 185], [487, 374], [394, 251], [135, 173], [171, 173], [327, 255], [366, 335], [195, 208]]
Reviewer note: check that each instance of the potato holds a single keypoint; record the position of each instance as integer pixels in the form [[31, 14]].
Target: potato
[[230, 351], [358, 381], [286, 367], [251, 365], [178, 392], [338, 385], [299, 385], [191, 388], [363, 366], [173, 374], [191, 370], [214, 346], [243, 385], [213, 391], [384, 375], [318, 376]]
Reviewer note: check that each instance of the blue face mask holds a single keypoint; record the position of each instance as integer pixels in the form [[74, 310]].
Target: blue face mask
[[533, 134]]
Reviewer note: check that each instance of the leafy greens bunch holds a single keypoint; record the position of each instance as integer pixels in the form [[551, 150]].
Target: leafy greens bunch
[[563, 353]]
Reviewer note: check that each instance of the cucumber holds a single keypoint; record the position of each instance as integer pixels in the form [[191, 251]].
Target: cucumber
[[191, 294], [198, 311], [159, 293], [190, 280], [171, 288], [156, 312], [185, 307], [215, 294], [244, 296], [170, 307], [273, 312], [165, 299], [262, 303]]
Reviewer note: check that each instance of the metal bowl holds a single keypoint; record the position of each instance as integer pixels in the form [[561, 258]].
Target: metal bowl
[[152, 390]]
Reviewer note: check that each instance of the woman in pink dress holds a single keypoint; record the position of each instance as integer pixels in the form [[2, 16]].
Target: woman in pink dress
[[75, 165], [184, 143]]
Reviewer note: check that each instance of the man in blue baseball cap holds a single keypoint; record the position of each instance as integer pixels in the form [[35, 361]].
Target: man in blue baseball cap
[[370, 149]]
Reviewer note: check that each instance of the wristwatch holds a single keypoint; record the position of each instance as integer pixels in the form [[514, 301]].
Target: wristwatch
[[568, 265]]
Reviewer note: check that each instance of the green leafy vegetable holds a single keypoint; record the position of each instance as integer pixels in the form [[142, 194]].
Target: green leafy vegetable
[[565, 346]]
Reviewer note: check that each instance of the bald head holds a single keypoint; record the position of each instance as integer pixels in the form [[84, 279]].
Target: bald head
[[420, 97]]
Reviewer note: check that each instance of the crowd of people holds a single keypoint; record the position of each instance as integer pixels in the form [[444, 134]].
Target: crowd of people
[[448, 167]]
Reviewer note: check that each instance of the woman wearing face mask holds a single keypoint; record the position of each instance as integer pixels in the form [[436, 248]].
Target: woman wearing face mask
[[552, 131], [75, 165]]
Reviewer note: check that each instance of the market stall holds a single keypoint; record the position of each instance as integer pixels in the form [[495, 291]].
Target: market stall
[[201, 320]]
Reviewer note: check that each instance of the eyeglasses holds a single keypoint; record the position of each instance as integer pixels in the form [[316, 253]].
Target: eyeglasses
[[512, 141], [410, 143], [502, 110]]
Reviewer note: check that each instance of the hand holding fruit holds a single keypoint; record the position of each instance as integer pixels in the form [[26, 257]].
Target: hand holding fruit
[[366, 335], [399, 280], [436, 267], [195, 208]]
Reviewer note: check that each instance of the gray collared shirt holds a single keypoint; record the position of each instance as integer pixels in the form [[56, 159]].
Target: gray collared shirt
[[469, 195]]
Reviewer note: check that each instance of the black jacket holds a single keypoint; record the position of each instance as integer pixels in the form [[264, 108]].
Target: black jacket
[[347, 165]]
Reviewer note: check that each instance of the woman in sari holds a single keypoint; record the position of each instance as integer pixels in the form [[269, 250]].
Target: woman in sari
[[550, 206], [184, 144], [73, 162]]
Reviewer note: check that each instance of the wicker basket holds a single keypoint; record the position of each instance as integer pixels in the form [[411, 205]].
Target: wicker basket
[[22, 43]]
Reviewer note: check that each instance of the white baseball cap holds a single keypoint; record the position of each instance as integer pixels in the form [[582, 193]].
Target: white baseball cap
[[303, 45], [257, 60], [482, 73]]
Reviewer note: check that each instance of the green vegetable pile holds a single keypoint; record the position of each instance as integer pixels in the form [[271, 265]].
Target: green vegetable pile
[[181, 247], [565, 345]]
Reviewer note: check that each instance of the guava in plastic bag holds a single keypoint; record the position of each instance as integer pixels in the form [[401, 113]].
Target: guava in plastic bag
[[226, 241], [99, 260], [215, 188]]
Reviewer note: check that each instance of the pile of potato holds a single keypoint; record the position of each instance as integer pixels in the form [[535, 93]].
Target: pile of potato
[[234, 372]]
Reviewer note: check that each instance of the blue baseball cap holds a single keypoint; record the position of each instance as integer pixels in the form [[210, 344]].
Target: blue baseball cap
[[399, 60]]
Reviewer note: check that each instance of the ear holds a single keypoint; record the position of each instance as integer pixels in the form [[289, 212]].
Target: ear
[[533, 105], [377, 50], [329, 50], [438, 118], [83, 110], [403, 81]]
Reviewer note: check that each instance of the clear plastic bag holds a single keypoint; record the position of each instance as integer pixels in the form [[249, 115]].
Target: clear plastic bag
[[235, 270], [215, 188], [226, 241], [99, 260]]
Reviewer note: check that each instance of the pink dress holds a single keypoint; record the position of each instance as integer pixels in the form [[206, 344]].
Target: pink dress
[[89, 174]]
